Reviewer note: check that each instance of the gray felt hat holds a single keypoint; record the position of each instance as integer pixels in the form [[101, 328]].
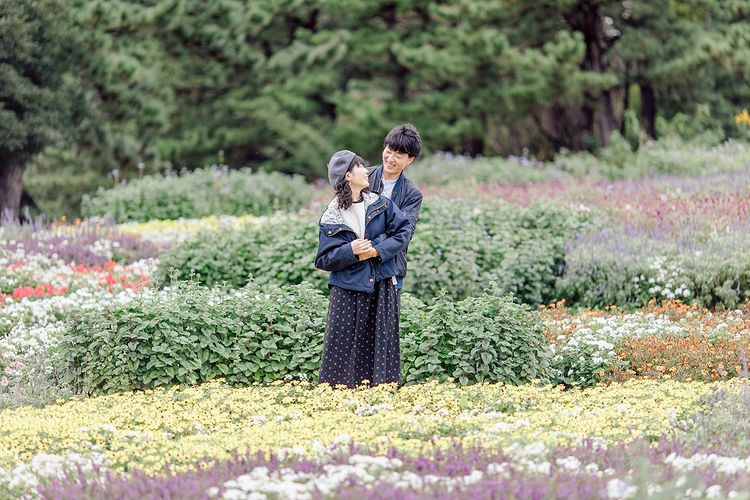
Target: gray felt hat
[[338, 165]]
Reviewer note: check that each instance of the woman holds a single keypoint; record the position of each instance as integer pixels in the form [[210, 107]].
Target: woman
[[361, 341]]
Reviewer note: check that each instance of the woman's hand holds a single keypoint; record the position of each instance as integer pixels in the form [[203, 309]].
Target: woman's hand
[[361, 246], [369, 254]]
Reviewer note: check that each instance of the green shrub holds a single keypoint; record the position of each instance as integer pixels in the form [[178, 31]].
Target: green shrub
[[462, 248], [621, 159], [445, 251], [441, 170], [722, 423], [669, 156], [209, 191], [189, 334], [280, 251], [487, 338], [612, 267], [459, 247], [57, 189]]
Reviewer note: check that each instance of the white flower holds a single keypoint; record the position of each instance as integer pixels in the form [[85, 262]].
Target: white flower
[[617, 488], [342, 439], [653, 489], [713, 491], [570, 463]]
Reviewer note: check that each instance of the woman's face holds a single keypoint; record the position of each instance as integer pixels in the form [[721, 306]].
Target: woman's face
[[358, 177]]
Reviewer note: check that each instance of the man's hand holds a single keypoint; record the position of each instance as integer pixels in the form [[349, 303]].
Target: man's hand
[[369, 254], [361, 246]]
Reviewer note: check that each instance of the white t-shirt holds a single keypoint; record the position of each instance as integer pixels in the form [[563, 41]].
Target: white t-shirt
[[388, 187]]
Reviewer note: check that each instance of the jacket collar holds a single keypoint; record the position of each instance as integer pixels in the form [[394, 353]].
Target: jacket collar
[[332, 214], [377, 181]]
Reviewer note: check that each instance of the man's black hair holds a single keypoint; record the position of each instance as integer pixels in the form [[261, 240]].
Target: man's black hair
[[404, 139]]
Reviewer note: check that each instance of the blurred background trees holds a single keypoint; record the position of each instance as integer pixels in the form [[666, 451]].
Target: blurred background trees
[[130, 87], [32, 102]]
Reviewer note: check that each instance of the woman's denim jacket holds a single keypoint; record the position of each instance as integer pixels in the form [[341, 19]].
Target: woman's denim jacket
[[335, 251]]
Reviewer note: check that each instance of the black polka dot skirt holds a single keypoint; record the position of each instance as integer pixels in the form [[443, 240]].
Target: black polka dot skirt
[[361, 341]]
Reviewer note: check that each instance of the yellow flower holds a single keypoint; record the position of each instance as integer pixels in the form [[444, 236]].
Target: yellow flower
[[187, 226], [742, 118], [147, 429]]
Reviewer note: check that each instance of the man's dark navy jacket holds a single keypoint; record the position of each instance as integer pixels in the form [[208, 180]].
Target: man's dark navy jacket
[[408, 198]]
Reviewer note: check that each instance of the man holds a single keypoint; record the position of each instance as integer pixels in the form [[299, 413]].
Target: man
[[401, 147]]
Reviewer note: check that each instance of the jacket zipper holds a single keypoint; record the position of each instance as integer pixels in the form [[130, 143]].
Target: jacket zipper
[[339, 229], [369, 217]]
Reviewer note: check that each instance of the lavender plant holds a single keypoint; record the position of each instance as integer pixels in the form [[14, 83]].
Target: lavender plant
[[87, 244]]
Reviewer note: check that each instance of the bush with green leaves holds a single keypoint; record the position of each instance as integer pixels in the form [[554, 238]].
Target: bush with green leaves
[[615, 267], [669, 156], [488, 338], [446, 169], [460, 247], [619, 160], [210, 191], [281, 251], [189, 334]]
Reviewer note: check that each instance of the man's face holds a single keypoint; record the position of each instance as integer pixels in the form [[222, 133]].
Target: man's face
[[394, 162]]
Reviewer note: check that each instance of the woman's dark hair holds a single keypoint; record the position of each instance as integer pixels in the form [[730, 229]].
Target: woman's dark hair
[[343, 191], [404, 139]]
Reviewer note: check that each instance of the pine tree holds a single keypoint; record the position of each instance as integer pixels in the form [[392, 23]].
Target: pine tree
[[32, 100]]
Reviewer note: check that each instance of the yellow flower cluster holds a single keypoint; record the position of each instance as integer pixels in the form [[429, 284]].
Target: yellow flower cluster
[[186, 426], [742, 118], [187, 226]]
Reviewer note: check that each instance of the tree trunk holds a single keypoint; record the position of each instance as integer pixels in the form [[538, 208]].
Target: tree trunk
[[648, 109], [11, 187], [588, 18]]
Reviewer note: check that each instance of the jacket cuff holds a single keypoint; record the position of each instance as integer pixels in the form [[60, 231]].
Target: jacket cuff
[[380, 253]]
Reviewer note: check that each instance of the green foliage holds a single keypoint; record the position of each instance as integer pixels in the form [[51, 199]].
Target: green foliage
[[32, 64], [203, 192], [190, 334], [462, 248], [280, 251], [182, 82], [668, 156], [487, 338], [445, 250], [58, 189], [632, 129], [696, 127], [442, 170], [458, 247], [34, 55], [279, 85], [623, 158], [611, 268], [723, 423]]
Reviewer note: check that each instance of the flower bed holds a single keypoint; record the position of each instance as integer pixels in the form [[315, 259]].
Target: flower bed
[[40, 277], [686, 342], [532, 471], [197, 425]]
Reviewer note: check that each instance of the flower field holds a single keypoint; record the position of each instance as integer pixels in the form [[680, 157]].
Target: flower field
[[635, 383], [541, 429]]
